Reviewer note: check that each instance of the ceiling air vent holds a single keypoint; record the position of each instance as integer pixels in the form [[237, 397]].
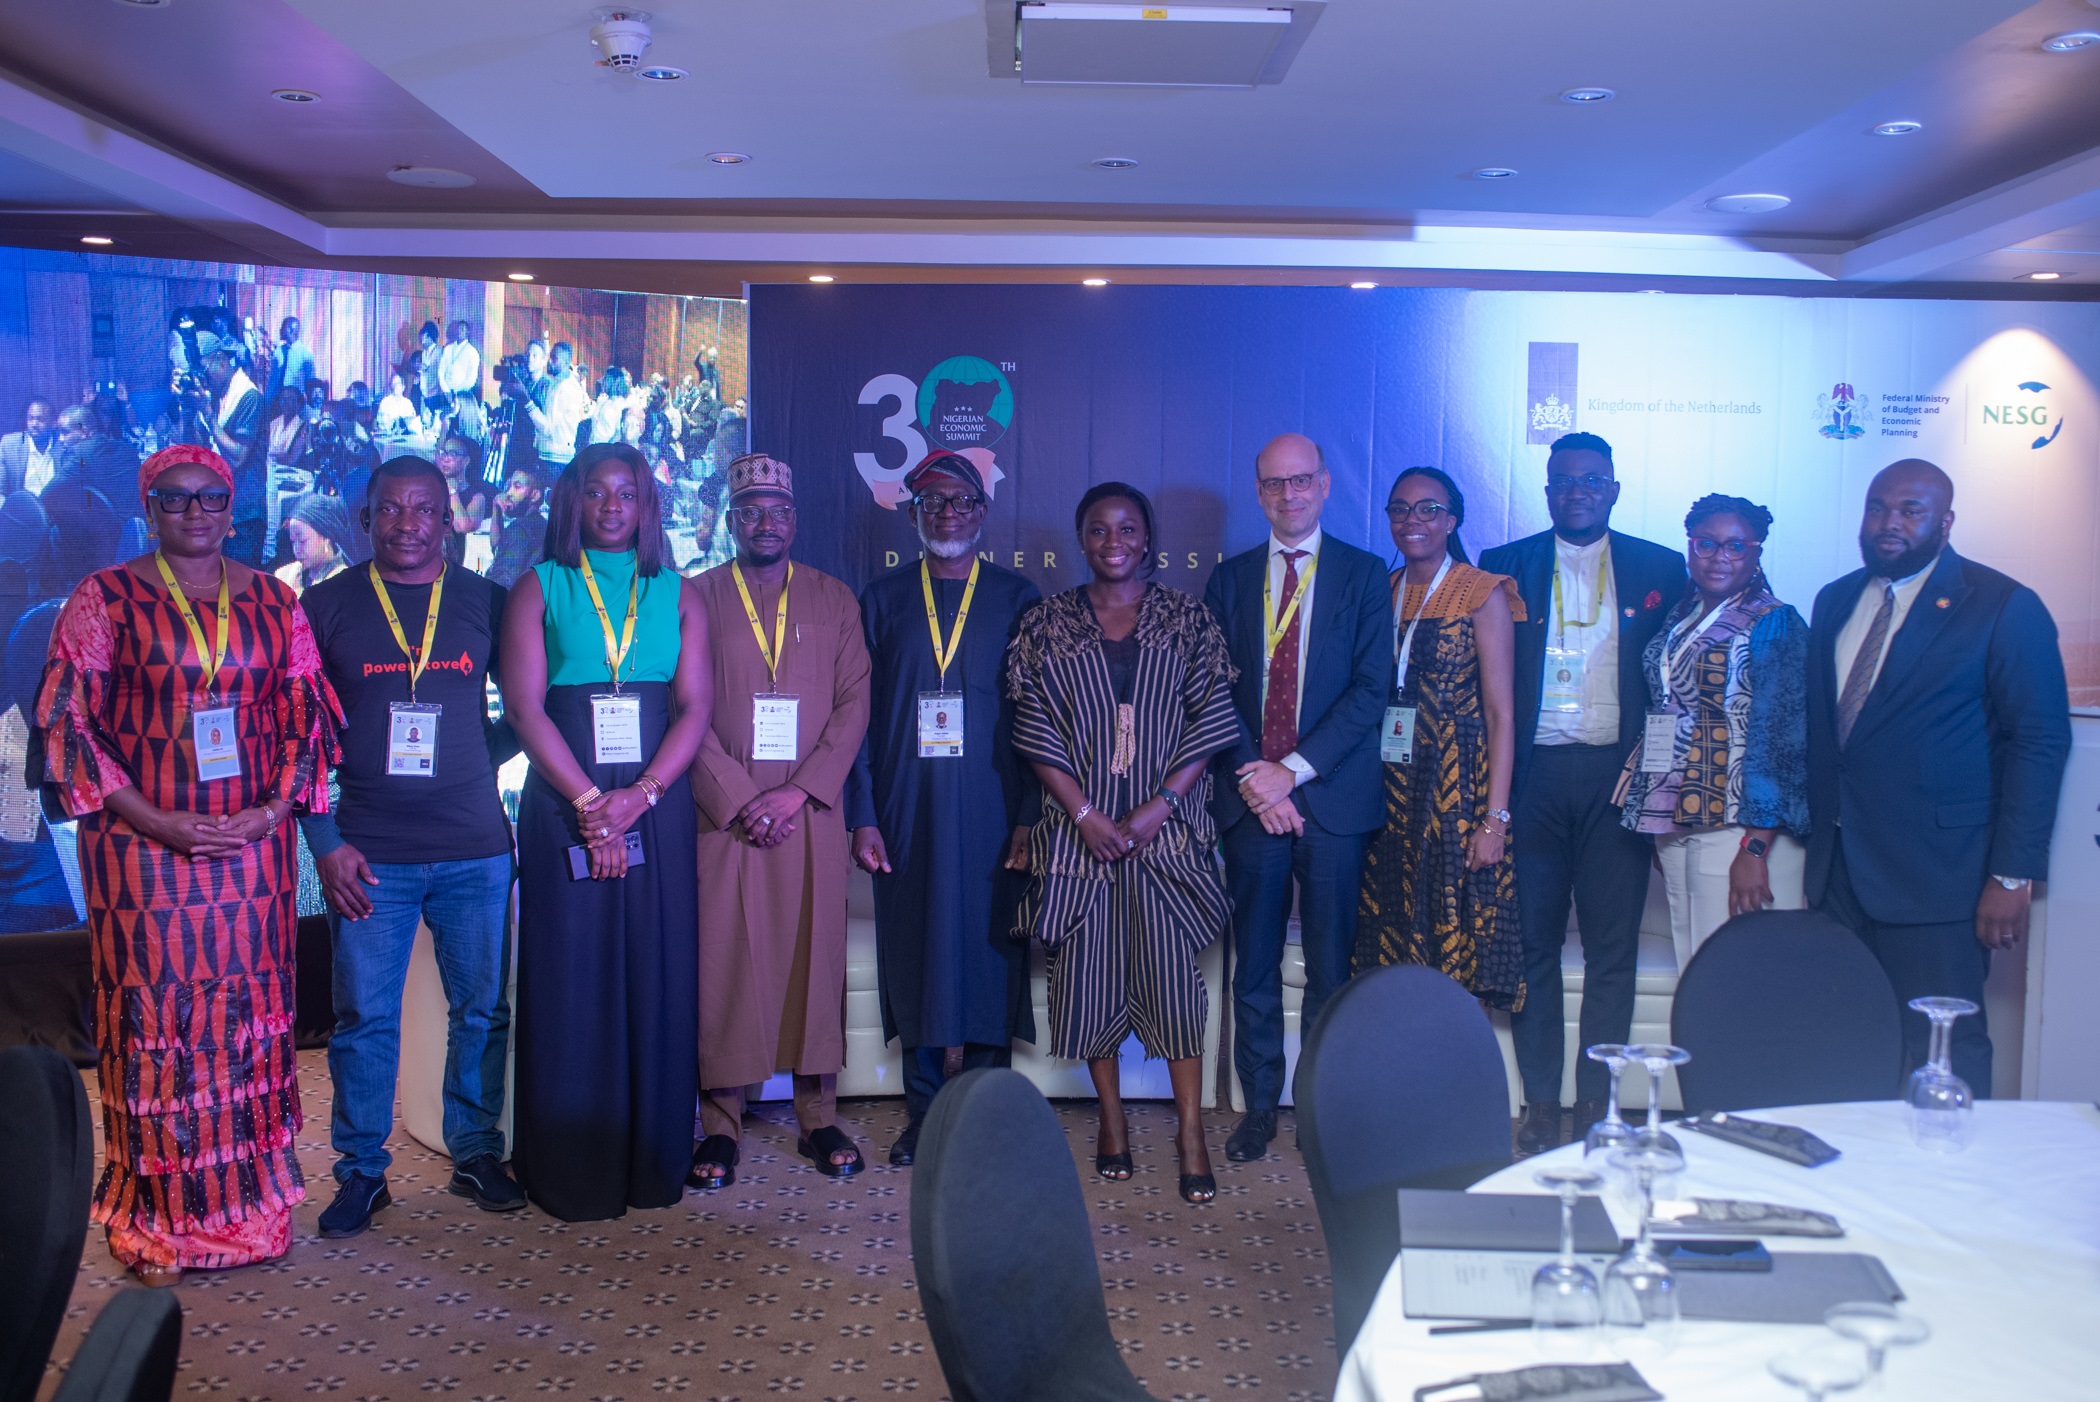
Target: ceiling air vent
[[1181, 46]]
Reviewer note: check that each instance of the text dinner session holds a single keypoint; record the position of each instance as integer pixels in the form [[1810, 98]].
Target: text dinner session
[[1022, 701]]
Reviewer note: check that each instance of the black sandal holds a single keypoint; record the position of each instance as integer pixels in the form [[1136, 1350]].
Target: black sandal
[[822, 1144], [1199, 1188], [719, 1151], [1114, 1168]]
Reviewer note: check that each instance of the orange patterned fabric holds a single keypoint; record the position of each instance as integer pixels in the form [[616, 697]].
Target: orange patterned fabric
[[1464, 589], [193, 978]]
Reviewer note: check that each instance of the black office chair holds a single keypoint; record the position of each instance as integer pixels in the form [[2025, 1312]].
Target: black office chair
[[130, 1354], [1785, 1007], [1399, 1085], [1005, 1257], [46, 1176]]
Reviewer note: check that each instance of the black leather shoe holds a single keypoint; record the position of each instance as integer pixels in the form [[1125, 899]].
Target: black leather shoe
[[1539, 1130], [489, 1183], [1587, 1113], [1250, 1141], [360, 1196], [907, 1146]]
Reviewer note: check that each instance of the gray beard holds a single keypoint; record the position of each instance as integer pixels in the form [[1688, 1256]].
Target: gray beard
[[947, 549]]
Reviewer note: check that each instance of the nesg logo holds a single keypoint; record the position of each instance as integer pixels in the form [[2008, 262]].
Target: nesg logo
[[2027, 413], [965, 404]]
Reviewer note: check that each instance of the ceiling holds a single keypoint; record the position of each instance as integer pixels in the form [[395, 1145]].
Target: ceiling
[[885, 145]]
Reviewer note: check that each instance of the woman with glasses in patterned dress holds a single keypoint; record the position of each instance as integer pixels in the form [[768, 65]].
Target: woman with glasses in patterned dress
[[1722, 785], [183, 717], [1439, 887]]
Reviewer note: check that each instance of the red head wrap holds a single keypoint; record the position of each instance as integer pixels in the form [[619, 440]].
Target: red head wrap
[[181, 455]]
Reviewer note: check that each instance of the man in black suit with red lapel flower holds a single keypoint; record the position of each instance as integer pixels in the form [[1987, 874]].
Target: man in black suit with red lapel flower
[[1594, 598]]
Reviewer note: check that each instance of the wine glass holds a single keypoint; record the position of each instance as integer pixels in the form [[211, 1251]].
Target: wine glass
[[1656, 1058], [1942, 1108], [1566, 1307], [1821, 1369], [1611, 1132], [1877, 1328], [1640, 1293]]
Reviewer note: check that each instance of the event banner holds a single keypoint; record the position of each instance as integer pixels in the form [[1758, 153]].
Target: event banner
[[1794, 403]]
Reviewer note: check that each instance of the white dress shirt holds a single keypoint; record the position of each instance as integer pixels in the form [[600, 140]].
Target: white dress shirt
[[1311, 545], [1597, 723], [41, 466], [458, 367], [1854, 633]]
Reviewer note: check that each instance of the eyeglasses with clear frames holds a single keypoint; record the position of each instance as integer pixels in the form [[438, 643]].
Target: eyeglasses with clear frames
[[1297, 484], [1594, 483], [762, 515]]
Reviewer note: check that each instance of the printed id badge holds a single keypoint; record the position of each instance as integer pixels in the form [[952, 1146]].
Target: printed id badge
[[1659, 743], [773, 725], [1396, 742], [1563, 689], [616, 729], [412, 739], [217, 741], [940, 725]]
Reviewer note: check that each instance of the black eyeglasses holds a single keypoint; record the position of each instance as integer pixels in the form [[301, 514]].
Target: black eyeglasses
[[934, 504], [1423, 511], [173, 501], [1706, 547], [1592, 482], [760, 515], [1297, 483]]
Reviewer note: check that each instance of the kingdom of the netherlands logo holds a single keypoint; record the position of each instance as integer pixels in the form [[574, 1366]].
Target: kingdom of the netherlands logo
[[1840, 412], [964, 404], [2027, 410]]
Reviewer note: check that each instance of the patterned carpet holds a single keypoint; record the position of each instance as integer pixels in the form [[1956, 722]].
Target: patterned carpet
[[784, 1285]]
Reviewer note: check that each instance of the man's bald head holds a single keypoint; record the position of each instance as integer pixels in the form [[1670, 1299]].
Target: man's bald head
[[1909, 510], [1290, 477]]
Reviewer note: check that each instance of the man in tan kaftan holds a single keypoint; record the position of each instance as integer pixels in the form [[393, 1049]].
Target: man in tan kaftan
[[791, 704]]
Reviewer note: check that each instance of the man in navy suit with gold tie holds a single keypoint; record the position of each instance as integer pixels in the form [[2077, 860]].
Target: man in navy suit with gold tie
[[1938, 729], [1309, 621]]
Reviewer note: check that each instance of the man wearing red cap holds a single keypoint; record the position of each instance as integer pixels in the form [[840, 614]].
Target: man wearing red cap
[[940, 804]]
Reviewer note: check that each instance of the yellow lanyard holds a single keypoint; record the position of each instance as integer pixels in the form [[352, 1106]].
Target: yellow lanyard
[[942, 656], [1273, 627], [1560, 621], [772, 654], [216, 658], [420, 658], [615, 652]]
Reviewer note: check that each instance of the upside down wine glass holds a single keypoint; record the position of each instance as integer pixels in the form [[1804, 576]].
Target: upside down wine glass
[[1821, 1369], [1566, 1306], [1877, 1328], [1640, 1293], [1657, 1058], [1612, 1132], [1942, 1108]]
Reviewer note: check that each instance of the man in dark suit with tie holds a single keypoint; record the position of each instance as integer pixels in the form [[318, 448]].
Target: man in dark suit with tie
[[1309, 621], [1593, 598], [1938, 729]]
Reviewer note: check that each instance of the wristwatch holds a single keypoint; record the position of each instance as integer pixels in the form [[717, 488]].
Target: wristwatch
[[1755, 846], [1173, 800], [2013, 883], [1500, 815]]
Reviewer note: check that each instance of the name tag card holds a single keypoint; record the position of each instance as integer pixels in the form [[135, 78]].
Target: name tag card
[[217, 742], [940, 725], [774, 717], [412, 738], [616, 729], [1563, 689], [1659, 743], [1396, 742]]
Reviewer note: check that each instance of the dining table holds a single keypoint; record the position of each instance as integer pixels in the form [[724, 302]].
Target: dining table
[[1996, 1247]]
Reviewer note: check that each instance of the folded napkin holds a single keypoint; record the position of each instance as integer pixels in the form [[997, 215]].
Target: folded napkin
[[1780, 1141], [1732, 1217], [1565, 1382]]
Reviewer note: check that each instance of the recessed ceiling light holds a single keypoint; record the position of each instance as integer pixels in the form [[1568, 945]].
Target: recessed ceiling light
[[430, 177], [1748, 204], [1115, 162], [145, 4], [1580, 96], [1363, 286], [1093, 282], [1493, 173], [2042, 277], [98, 240], [520, 277], [661, 73], [1652, 291], [728, 158], [1898, 128], [822, 277], [2072, 42], [299, 96]]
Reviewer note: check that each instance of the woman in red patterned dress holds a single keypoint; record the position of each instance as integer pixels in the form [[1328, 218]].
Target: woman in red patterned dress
[[182, 718]]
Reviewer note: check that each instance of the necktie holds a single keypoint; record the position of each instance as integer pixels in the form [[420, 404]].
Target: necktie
[[1860, 680], [1279, 715]]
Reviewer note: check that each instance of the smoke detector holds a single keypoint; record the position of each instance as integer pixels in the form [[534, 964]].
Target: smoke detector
[[622, 37]]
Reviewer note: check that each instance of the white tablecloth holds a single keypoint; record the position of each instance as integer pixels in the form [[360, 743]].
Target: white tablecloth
[[1997, 1248]]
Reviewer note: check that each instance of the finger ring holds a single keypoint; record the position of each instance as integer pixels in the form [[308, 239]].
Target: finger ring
[[605, 832]]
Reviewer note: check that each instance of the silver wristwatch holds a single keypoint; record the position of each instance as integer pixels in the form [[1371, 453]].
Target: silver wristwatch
[[2013, 883]]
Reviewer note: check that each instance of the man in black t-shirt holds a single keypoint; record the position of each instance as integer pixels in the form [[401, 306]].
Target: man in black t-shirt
[[419, 836]]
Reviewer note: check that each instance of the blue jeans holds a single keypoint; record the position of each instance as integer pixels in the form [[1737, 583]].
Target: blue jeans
[[467, 905]]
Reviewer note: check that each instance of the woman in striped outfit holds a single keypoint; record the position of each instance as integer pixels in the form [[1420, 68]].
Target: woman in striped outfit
[[1123, 693]]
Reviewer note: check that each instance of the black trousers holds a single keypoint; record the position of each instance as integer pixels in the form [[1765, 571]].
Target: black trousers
[[1569, 845], [925, 1071], [1922, 961], [1326, 868]]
